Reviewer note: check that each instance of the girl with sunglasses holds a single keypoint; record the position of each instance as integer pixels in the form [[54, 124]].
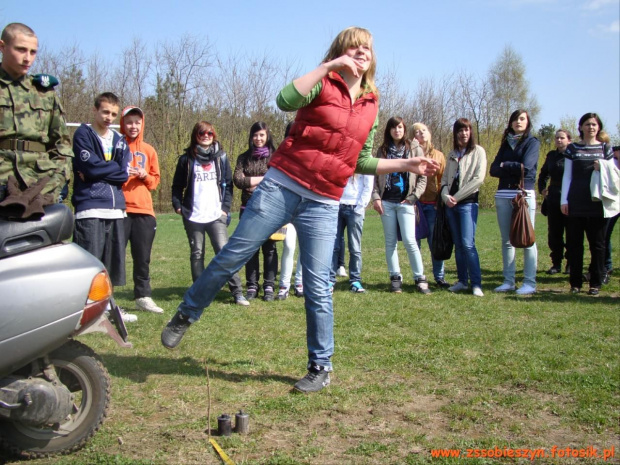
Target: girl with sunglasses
[[202, 195]]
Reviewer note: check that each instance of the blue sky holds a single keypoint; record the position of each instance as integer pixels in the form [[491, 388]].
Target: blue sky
[[570, 47]]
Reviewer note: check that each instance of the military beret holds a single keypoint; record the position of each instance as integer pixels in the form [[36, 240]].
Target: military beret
[[45, 80]]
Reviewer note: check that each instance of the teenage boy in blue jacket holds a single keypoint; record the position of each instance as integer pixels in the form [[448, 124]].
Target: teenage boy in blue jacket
[[100, 167]]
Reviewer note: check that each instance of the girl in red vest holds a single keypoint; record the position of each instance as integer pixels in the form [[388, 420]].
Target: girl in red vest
[[331, 138]]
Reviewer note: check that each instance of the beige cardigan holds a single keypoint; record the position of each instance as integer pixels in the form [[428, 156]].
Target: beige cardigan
[[473, 171]]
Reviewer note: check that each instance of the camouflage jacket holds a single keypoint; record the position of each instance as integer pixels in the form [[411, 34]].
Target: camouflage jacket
[[30, 110]]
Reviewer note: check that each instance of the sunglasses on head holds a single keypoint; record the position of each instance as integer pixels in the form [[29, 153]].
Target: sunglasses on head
[[206, 133]]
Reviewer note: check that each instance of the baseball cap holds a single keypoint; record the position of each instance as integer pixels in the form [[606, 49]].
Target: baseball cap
[[129, 110]]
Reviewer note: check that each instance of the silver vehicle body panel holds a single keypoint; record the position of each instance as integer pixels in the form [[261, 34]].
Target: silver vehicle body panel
[[42, 297]]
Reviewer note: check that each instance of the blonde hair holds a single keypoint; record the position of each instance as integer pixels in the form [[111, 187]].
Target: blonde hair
[[354, 37], [603, 137], [428, 146]]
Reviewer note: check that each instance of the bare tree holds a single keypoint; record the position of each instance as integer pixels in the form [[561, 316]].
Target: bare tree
[[231, 92], [138, 59], [68, 65], [181, 74], [393, 100], [98, 76], [434, 102], [474, 99]]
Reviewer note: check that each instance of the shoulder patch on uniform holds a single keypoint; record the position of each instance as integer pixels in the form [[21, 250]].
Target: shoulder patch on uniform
[[45, 80], [84, 155]]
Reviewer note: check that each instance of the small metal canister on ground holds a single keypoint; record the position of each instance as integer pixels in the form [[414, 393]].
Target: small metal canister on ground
[[242, 423], [223, 425]]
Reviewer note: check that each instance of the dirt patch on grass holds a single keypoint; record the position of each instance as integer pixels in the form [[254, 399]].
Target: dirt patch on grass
[[401, 432]]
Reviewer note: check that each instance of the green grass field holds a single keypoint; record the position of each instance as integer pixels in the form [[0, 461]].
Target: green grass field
[[413, 373]]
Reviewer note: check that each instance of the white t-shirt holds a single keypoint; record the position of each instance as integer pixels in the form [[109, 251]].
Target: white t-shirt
[[106, 144], [207, 203], [103, 213]]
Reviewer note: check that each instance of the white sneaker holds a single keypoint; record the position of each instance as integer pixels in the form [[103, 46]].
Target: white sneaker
[[241, 300], [458, 286], [477, 291], [526, 289], [128, 317], [504, 288], [342, 272], [146, 304]]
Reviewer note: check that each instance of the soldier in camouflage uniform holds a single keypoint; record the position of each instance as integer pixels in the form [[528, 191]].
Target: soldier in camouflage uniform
[[34, 141]]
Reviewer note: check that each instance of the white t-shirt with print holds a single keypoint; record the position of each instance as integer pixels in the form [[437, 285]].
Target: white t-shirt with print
[[207, 203]]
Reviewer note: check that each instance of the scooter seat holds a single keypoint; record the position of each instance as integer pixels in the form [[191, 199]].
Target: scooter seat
[[22, 236]]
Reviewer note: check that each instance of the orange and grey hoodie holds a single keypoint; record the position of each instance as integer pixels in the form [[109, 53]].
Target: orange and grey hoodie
[[136, 190]]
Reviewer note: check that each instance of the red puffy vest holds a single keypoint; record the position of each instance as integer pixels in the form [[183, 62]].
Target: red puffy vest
[[323, 145]]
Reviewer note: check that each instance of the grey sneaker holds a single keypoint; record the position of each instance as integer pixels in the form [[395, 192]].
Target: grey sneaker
[[504, 288], [251, 293], [396, 284], [458, 287], [268, 294], [299, 290], [146, 304], [316, 379], [175, 329], [421, 285]]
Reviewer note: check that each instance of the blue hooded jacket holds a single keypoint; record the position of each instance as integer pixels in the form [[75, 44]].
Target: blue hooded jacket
[[102, 186]]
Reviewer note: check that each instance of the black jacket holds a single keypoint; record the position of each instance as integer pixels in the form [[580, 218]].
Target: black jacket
[[183, 183], [552, 171], [526, 152]]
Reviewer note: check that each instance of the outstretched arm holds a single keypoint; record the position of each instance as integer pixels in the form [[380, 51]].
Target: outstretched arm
[[419, 165]]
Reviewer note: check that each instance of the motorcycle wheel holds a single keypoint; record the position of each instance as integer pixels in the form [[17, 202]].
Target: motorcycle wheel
[[81, 370]]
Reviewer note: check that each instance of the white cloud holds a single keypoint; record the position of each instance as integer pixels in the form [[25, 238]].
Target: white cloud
[[604, 29], [613, 27], [598, 4]]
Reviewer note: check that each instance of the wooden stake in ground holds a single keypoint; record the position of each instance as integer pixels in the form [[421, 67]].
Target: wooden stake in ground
[[225, 458], [208, 401]]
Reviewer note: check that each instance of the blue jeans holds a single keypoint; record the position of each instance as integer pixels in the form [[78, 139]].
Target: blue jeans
[[430, 213], [530, 254], [402, 214], [354, 223], [463, 219], [271, 207]]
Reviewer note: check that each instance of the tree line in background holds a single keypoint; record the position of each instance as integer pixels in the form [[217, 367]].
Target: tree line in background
[[179, 83]]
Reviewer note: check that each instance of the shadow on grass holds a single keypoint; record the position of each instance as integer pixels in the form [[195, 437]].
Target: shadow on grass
[[555, 296], [138, 368], [169, 294]]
